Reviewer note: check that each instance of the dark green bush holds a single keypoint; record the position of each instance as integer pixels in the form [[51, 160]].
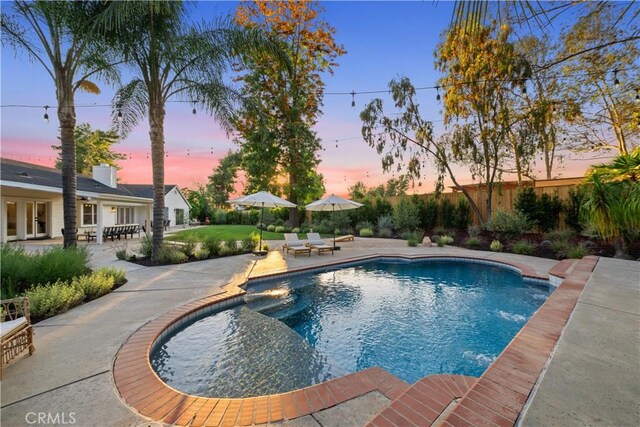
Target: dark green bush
[[509, 225], [577, 252], [21, 270], [220, 216], [527, 203], [473, 242], [385, 233], [248, 244], [548, 212], [405, 216], [572, 208], [429, 215], [446, 213], [523, 247], [463, 215], [146, 245]]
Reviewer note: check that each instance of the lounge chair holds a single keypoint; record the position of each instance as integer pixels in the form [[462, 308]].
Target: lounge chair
[[17, 332], [293, 243], [314, 241], [347, 238]]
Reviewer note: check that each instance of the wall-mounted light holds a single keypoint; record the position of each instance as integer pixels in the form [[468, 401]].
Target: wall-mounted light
[[114, 209]]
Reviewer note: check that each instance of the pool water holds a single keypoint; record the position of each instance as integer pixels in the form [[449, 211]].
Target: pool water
[[411, 318]]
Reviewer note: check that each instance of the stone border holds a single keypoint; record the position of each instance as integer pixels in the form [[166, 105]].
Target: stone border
[[141, 389]]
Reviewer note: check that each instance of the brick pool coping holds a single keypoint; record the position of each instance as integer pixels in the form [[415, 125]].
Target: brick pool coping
[[496, 399]]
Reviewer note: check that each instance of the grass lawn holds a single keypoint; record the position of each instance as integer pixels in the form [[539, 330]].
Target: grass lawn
[[223, 232]]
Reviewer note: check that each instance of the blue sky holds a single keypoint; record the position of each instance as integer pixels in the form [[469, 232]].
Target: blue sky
[[383, 40]]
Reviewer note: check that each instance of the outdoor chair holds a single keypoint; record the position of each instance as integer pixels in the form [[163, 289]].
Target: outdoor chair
[[17, 332], [347, 238], [293, 243], [314, 241]]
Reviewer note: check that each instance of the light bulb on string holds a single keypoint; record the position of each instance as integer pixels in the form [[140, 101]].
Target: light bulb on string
[[46, 114], [438, 93], [523, 87], [637, 95], [353, 98], [194, 108], [616, 82]]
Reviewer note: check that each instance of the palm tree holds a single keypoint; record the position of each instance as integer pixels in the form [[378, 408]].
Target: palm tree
[[60, 36], [612, 202], [172, 59]]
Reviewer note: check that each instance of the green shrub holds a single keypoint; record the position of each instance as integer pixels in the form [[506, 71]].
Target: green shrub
[[248, 244], [220, 216], [21, 270], [94, 285], [412, 242], [366, 232], [472, 242], [509, 225], [279, 229], [445, 240], [202, 253], [523, 247], [231, 246], [559, 235], [548, 212], [146, 245], [405, 215], [51, 299], [295, 230], [385, 222], [279, 222], [385, 233], [558, 246], [188, 248], [271, 227], [474, 230], [446, 213], [212, 245], [304, 230], [572, 208], [171, 255], [428, 212], [118, 274], [364, 224], [496, 246], [59, 264], [122, 254], [265, 246], [577, 252], [462, 215], [527, 203]]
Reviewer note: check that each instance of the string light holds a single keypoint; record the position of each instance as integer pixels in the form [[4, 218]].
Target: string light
[[437, 93], [46, 115], [637, 95], [616, 82], [194, 108], [523, 87], [353, 98]]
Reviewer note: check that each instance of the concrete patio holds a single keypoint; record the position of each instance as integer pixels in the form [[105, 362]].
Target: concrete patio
[[593, 377]]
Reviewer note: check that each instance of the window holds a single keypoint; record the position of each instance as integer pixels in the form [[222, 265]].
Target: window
[[89, 214], [179, 216], [125, 216]]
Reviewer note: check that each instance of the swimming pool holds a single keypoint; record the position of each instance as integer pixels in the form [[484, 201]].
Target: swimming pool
[[411, 318]]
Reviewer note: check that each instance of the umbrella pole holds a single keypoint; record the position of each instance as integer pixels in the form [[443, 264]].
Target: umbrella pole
[[261, 227], [333, 217]]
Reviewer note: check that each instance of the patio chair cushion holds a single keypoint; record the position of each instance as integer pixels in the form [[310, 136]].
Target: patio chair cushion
[[12, 326], [295, 243]]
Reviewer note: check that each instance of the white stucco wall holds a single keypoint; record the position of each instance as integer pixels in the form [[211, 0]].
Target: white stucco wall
[[173, 200]]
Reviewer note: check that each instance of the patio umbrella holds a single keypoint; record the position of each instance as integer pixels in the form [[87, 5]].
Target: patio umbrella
[[333, 203], [264, 200]]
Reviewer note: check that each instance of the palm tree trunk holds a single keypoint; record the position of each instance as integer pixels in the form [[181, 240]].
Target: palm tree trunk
[[156, 134], [67, 119]]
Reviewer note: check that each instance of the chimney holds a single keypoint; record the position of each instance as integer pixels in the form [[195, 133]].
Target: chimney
[[106, 175]]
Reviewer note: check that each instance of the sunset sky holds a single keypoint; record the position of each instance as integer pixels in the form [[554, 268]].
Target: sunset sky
[[383, 40]]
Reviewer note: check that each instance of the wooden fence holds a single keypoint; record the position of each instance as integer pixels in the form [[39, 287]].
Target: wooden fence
[[504, 194]]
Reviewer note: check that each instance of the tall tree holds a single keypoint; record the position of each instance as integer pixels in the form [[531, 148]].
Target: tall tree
[[279, 146], [223, 179], [480, 68], [61, 36], [93, 147], [606, 97], [172, 58]]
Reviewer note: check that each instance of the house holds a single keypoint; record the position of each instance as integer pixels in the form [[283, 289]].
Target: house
[[176, 206], [31, 197]]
